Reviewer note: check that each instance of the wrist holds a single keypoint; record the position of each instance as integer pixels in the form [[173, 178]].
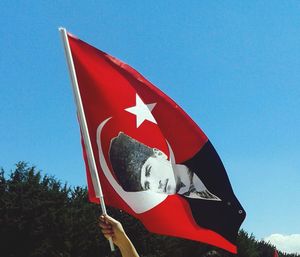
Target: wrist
[[125, 242], [126, 247]]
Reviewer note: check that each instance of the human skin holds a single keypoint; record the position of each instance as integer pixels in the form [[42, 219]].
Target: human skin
[[112, 228]]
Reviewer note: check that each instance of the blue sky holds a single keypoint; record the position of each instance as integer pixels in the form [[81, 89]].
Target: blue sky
[[232, 65]]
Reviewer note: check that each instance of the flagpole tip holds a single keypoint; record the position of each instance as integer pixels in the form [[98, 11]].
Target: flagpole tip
[[61, 28]]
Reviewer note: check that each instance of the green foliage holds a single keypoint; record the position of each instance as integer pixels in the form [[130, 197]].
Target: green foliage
[[40, 216]]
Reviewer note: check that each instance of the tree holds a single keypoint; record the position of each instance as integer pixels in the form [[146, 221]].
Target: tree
[[40, 216]]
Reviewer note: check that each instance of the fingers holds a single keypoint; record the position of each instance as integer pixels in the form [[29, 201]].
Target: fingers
[[109, 220], [111, 228], [106, 229], [107, 232], [103, 222], [106, 226]]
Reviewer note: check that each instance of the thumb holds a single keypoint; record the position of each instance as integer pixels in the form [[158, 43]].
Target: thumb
[[110, 220]]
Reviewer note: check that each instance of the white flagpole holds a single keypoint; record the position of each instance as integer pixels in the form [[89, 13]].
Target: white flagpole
[[83, 126]]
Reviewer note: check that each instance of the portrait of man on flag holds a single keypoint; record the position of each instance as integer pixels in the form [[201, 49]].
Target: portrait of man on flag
[[139, 167]]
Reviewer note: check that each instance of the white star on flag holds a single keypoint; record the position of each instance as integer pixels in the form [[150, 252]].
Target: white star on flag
[[142, 111]]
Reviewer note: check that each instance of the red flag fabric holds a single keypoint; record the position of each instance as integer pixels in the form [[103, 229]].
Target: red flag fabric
[[153, 161], [276, 253]]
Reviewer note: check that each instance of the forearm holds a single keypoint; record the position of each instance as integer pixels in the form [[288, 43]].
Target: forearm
[[127, 249]]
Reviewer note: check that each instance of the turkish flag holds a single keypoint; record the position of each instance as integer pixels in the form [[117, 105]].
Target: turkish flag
[[153, 161]]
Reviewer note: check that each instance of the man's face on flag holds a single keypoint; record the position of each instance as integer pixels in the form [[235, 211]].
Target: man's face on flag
[[139, 167], [157, 174]]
